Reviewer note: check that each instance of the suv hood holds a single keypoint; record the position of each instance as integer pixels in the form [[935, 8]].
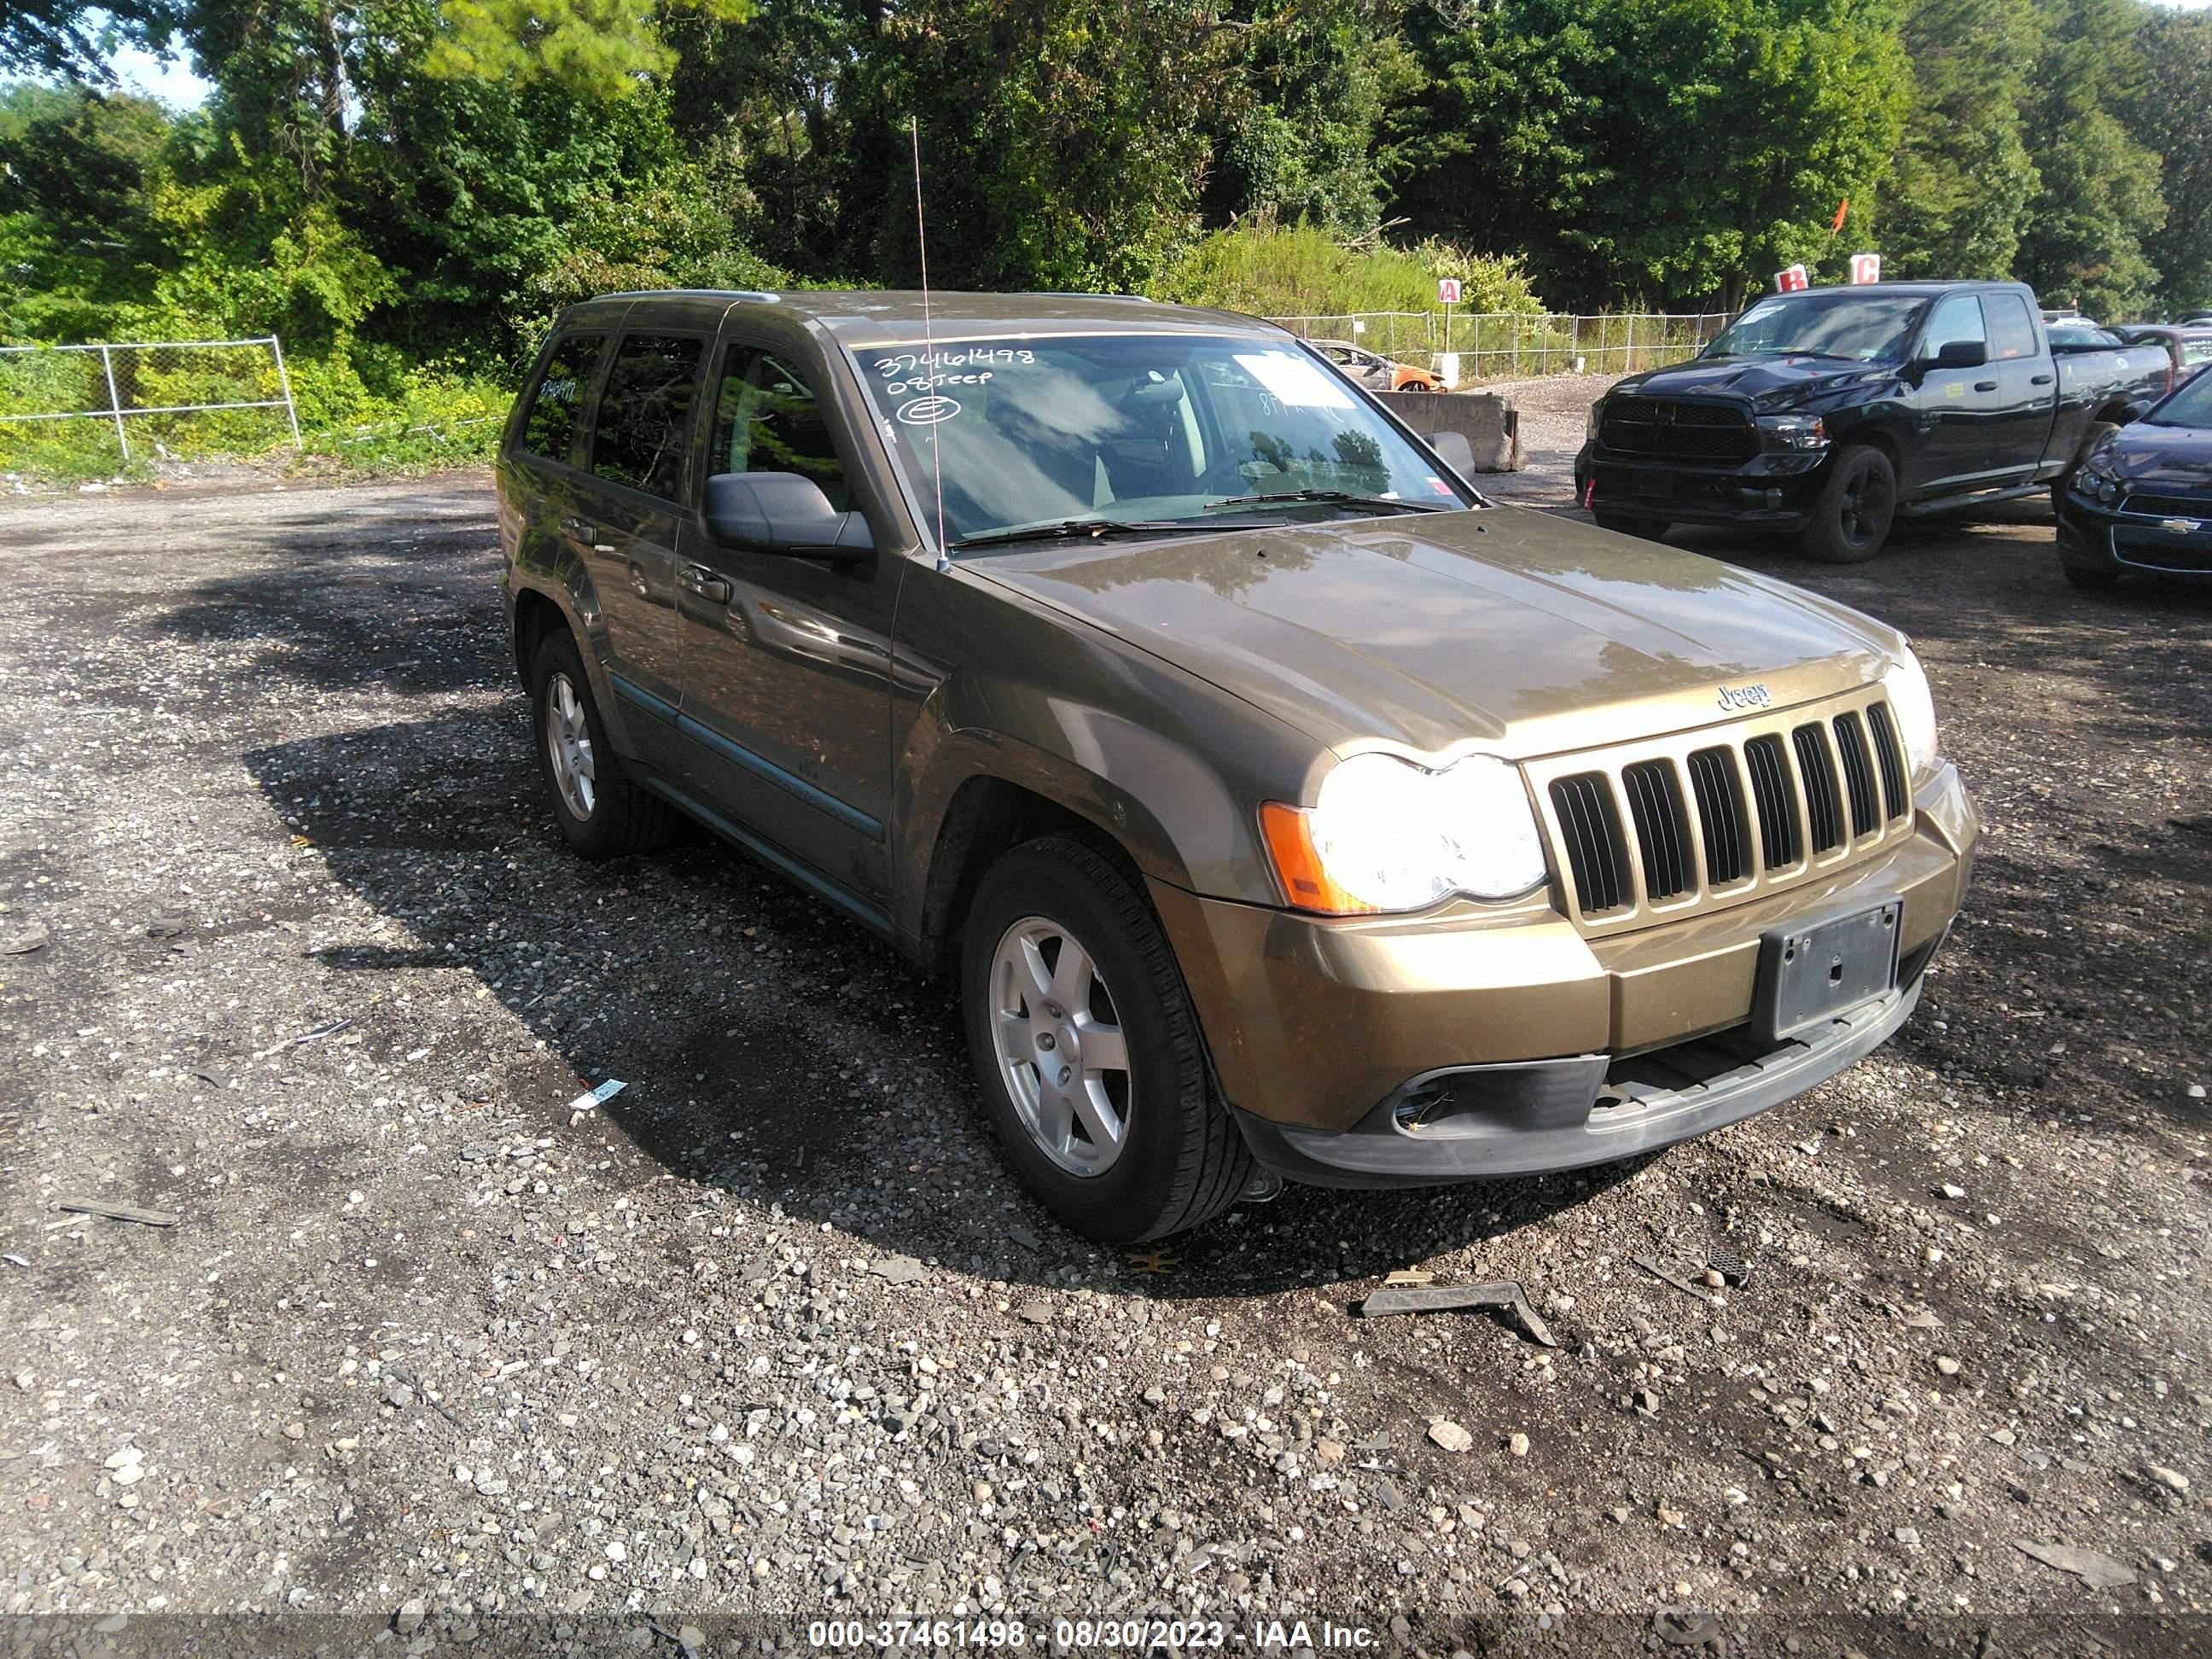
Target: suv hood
[[1522, 632], [1766, 383]]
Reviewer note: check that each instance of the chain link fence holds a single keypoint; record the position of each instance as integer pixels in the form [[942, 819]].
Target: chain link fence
[[1470, 346], [74, 408]]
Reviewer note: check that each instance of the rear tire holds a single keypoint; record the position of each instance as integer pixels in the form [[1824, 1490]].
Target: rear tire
[[1857, 506], [1651, 530], [1178, 1160], [602, 812]]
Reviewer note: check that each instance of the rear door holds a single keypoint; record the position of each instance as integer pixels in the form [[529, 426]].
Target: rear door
[[1957, 408], [2027, 390], [640, 444], [787, 660]]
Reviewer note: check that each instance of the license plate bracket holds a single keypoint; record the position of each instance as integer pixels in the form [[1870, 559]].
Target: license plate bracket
[[1654, 486], [1811, 971]]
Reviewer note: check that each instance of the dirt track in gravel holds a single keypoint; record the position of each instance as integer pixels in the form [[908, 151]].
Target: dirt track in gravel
[[773, 1332]]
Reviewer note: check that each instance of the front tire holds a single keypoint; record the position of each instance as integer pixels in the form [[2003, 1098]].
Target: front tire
[[602, 812], [1852, 518], [1087, 1050]]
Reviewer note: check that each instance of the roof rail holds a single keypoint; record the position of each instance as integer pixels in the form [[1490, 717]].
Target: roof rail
[[1086, 294], [758, 296]]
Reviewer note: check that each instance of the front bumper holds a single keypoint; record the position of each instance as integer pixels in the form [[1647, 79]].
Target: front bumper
[[1316, 1026], [1770, 492], [2095, 537]]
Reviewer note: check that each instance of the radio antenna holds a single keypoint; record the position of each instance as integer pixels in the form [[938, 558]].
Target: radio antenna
[[929, 339]]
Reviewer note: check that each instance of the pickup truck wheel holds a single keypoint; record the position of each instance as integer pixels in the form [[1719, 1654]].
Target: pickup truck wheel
[[1652, 530], [1087, 1051], [1857, 505], [603, 814]]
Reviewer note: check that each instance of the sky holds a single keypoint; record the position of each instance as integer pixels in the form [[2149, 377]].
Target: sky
[[172, 82]]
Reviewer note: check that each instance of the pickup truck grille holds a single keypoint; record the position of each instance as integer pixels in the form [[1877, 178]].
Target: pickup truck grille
[[1669, 431], [1648, 831]]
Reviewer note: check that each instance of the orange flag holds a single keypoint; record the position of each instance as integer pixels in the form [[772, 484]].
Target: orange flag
[[1836, 226]]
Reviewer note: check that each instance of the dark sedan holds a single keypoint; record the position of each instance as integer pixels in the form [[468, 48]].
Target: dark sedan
[[2142, 499]]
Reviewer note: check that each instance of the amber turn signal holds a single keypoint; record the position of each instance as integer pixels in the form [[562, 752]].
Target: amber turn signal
[[1288, 831]]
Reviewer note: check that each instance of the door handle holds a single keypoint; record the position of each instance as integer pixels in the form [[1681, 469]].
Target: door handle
[[2039, 380], [1986, 385], [697, 579], [578, 529]]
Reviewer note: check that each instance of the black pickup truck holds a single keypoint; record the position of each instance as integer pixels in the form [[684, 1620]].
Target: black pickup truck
[[1829, 413]]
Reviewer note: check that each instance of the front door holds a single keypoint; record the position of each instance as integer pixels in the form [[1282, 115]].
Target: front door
[[1957, 407], [787, 660], [628, 541]]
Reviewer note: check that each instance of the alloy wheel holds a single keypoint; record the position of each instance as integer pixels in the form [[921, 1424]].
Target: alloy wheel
[[568, 741], [1060, 1045]]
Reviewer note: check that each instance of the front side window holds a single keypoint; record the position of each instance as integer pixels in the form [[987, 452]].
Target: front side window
[[1957, 320], [549, 429], [644, 422], [766, 419], [1167, 429]]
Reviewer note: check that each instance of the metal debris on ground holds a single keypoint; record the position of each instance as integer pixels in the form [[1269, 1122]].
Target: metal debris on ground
[[1679, 1627], [1451, 1298], [1650, 1265], [1152, 1261], [1728, 1264], [2097, 1571], [1410, 1276], [15, 1260], [118, 1211], [592, 1099], [304, 1039]]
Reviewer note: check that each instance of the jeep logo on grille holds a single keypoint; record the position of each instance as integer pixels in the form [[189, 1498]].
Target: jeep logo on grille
[[1745, 696]]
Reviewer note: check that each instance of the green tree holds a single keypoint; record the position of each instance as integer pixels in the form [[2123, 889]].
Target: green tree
[[2174, 118], [1957, 200], [1680, 148], [70, 38], [2097, 204], [76, 235]]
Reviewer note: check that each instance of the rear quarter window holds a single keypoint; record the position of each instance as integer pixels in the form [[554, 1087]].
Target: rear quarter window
[[557, 402]]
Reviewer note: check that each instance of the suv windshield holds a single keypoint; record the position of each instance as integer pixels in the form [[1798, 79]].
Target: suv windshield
[[1875, 328], [1171, 430]]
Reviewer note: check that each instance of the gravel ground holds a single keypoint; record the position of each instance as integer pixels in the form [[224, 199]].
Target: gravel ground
[[770, 1331]]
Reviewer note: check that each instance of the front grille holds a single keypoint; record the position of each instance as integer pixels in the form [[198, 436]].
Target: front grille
[[1891, 755], [1655, 803], [1858, 773], [1595, 848], [1720, 816], [1766, 807], [1669, 431], [2162, 550], [2169, 506]]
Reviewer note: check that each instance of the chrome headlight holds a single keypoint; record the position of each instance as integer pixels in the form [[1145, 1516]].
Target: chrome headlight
[[2094, 481], [1794, 431], [1906, 684], [1386, 835]]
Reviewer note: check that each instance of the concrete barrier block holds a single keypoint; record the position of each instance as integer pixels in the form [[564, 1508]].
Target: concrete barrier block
[[1490, 423]]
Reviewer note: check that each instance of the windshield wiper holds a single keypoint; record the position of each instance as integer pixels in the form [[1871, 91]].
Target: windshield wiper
[[1340, 497], [1069, 529]]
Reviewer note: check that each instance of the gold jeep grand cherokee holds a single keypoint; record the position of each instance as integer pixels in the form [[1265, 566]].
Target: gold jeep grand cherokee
[[1281, 807]]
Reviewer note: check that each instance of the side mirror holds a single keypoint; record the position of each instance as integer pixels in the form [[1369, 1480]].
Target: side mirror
[[784, 513], [1962, 354], [1453, 451]]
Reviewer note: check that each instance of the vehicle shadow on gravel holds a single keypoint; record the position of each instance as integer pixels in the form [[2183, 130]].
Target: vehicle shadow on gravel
[[769, 1047]]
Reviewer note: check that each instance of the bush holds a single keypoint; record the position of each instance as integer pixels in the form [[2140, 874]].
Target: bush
[[1272, 271]]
